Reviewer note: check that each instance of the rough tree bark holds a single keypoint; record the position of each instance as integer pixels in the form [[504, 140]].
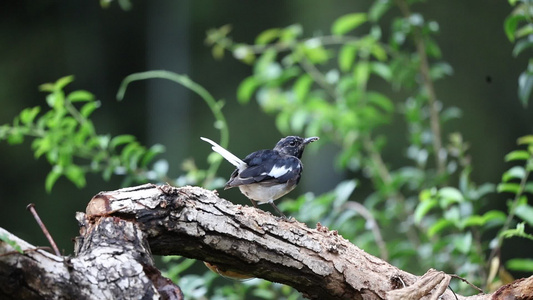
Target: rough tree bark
[[121, 229]]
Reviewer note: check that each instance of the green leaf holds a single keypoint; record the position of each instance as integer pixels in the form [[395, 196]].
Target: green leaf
[[361, 73], [316, 53], [120, 140], [423, 208], [52, 177], [381, 69], [510, 25], [525, 140], [246, 89], [347, 23], [520, 264], [63, 82], [347, 55], [524, 31], [494, 217], [380, 101], [522, 45], [525, 85], [525, 212], [267, 36], [217, 51], [378, 9], [88, 108], [517, 155], [76, 175], [290, 33], [519, 231], [378, 52], [80, 96], [298, 120], [508, 188], [463, 243], [283, 122], [440, 225], [244, 53], [15, 136], [151, 153], [515, 172], [28, 114], [450, 195], [301, 87]]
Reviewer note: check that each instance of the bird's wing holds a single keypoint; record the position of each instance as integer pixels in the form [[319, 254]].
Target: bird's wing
[[267, 166], [234, 160]]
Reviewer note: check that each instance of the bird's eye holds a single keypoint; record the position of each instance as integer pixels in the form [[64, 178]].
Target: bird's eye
[[292, 143]]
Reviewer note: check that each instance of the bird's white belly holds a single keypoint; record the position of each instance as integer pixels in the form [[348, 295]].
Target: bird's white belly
[[264, 194]]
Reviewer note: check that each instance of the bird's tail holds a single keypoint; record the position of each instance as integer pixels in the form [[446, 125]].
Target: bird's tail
[[234, 160]]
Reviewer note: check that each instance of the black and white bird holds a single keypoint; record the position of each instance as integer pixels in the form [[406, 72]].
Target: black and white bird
[[267, 175]]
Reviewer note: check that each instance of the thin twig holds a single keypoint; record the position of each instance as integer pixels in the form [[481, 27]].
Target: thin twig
[[360, 209], [467, 282], [385, 176], [318, 77], [25, 251], [430, 89], [31, 208]]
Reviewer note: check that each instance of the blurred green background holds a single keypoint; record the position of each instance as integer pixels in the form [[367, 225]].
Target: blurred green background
[[41, 41]]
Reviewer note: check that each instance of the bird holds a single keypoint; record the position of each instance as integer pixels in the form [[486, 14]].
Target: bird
[[267, 175]]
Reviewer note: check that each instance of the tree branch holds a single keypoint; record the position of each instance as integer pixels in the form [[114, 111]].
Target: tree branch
[[121, 229]]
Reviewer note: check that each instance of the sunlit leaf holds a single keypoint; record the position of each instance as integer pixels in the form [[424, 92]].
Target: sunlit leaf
[[246, 89], [301, 87], [151, 153], [80, 95], [382, 70], [76, 175], [347, 55], [439, 226], [450, 195], [361, 73], [522, 45], [87, 109], [510, 25], [463, 243], [516, 172], [519, 231], [52, 177], [525, 140], [347, 23], [63, 81], [517, 155], [508, 187], [267, 36], [28, 114], [520, 264], [378, 9], [525, 212], [121, 139], [525, 85], [423, 208]]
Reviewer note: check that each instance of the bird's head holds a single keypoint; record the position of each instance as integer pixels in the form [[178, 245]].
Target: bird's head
[[293, 145]]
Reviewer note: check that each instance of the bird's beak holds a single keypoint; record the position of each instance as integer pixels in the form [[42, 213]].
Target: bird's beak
[[310, 140]]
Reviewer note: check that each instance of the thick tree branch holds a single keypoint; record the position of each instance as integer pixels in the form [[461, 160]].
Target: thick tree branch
[[121, 229]]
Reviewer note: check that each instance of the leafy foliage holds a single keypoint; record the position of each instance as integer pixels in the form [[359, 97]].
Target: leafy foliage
[[519, 29], [426, 213], [66, 137]]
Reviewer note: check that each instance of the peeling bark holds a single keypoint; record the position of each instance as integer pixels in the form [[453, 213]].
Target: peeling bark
[[121, 229]]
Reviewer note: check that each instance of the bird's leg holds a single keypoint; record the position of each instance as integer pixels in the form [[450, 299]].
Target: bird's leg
[[277, 209], [254, 203]]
